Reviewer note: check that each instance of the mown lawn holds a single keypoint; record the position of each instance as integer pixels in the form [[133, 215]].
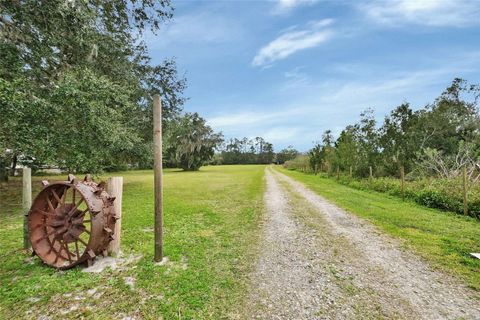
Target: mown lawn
[[445, 239], [211, 228]]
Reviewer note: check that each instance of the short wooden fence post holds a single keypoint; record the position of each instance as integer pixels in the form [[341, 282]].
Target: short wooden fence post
[[465, 191], [26, 204], [115, 189], [402, 181]]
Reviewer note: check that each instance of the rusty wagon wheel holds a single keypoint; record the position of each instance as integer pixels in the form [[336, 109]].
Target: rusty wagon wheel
[[71, 222]]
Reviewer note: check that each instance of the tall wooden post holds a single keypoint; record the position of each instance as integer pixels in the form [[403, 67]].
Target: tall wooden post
[[465, 190], [371, 173], [402, 181], [26, 204], [158, 186], [350, 171], [115, 189]]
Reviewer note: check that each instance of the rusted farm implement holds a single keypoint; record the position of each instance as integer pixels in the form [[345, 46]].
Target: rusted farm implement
[[71, 222]]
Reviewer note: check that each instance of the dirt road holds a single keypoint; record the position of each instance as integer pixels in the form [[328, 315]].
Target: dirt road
[[319, 262]]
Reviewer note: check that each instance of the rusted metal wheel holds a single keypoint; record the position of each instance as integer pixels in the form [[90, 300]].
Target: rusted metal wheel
[[71, 222]]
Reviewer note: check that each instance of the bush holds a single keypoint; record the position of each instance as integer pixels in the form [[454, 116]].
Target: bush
[[444, 194], [299, 163]]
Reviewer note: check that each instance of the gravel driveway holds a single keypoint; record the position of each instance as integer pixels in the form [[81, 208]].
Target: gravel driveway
[[319, 262]]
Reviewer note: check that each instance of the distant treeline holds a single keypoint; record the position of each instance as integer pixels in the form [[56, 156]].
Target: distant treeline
[[245, 151], [251, 151]]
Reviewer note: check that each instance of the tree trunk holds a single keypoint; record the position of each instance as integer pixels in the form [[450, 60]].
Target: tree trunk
[[3, 171], [14, 165]]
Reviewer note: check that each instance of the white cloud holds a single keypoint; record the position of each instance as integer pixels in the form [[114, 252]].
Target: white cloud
[[249, 118], [296, 78], [239, 119], [438, 13], [197, 28], [282, 133], [284, 6], [293, 41]]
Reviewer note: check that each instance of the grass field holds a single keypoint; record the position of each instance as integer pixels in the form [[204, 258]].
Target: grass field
[[212, 225], [445, 239], [211, 228]]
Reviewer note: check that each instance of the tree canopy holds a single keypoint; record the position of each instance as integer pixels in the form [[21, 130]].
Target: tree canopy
[[191, 142], [76, 82]]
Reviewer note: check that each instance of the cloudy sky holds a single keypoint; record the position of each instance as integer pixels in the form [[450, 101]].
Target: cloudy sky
[[287, 70]]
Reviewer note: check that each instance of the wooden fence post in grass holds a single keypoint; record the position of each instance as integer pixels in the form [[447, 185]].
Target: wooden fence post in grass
[[371, 173], [158, 186], [465, 190], [350, 172], [26, 204], [402, 181], [115, 189]]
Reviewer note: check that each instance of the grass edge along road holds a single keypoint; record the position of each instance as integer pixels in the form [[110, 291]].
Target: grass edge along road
[[442, 238], [211, 229]]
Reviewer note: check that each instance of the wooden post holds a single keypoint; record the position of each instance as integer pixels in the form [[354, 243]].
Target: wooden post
[[158, 186], [26, 204], [371, 173], [402, 181], [115, 189], [465, 190], [350, 172], [338, 173]]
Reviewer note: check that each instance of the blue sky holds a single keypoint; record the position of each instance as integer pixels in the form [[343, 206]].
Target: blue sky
[[288, 70]]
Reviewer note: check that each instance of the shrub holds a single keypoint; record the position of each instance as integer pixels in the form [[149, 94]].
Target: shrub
[[300, 163], [444, 194]]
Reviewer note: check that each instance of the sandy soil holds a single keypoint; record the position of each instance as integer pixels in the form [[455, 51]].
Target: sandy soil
[[319, 262]]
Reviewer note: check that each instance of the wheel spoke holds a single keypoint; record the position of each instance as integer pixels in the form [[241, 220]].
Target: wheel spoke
[[76, 250], [50, 205], [83, 242], [81, 214], [59, 252], [47, 214], [45, 236], [55, 195], [64, 195], [36, 227], [56, 258], [74, 209], [52, 245], [65, 246]]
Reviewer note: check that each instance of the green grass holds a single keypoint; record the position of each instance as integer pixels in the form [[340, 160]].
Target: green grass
[[211, 228], [442, 238]]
